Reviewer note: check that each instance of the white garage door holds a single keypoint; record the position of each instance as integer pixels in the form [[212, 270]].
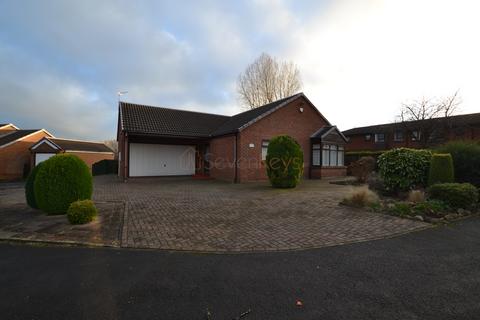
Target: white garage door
[[161, 160], [39, 157]]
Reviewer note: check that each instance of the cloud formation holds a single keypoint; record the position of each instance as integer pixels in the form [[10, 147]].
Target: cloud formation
[[61, 63]]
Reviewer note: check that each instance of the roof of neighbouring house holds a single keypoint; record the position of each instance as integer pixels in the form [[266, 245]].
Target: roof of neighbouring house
[[459, 120], [141, 119], [15, 135], [76, 145]]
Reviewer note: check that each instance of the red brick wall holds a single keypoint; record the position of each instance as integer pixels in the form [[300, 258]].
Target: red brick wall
[[91, 158], [14, 157], [123, 155], [358, 142], [222, 165], [286, 120]]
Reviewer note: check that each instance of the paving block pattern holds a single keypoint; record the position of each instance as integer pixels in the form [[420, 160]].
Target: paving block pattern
[[186, 214]]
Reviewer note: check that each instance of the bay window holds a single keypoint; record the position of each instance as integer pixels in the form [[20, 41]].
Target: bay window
[[332, 155]]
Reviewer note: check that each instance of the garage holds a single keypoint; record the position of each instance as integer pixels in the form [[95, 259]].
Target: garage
[[149, 160], [40, 157]]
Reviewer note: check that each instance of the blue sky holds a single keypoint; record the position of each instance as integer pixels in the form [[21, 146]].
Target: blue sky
[[62, 62]]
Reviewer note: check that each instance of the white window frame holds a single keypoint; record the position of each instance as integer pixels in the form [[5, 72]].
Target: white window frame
[[316, 154], [333, 152], [398, 139], [265, 149], [416, 135], [377, 135]]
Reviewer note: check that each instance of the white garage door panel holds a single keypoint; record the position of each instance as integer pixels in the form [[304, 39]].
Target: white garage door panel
[[40, 157], [161, 160]]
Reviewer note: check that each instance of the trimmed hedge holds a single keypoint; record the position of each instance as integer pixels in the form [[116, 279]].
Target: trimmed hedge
[[284, 162], [81, 212], [441, 169], [105, 167], [29, 187], [455, 195], [61, 180], [466, 160], [403, 169]]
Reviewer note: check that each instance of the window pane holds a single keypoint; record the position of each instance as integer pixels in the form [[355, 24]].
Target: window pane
[[316, 157], [333, 157], [326, 146], [316, 146], [264, 149], [325, 158], [340, 157]]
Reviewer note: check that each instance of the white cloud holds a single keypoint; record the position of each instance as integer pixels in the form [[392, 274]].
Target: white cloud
[[365, 57]]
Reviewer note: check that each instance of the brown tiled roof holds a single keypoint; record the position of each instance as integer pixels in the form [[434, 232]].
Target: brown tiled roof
[[14, 135], [136, 118], [472, 119], [239, 120], [143, 119], [77, 145]]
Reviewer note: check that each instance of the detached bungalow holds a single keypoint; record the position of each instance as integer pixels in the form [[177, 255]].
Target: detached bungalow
[[156, 141], [88, 151], [21, 150], [14, 150]]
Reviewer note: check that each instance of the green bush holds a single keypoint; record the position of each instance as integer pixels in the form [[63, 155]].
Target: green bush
[[29, 189], [403, 169], [401, 209], [82, 211], [441, 169], [61, 180], [455, 195], [284, 162], [466, 160], [434, 208]]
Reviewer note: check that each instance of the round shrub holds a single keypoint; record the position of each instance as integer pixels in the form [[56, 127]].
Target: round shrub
[[81, 212], [466, 160], [61, 180], [29, 188], [441, 169], [455, 195], [284, 162], [403, 169]]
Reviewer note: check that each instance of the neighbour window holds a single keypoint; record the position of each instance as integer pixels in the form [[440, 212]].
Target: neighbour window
[[379, 137], [264, 149], [368, 137], [316, 154], [332, 155], [398, 136], [416, 135]]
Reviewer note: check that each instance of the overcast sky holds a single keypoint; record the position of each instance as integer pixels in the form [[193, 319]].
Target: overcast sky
[[62, 62]]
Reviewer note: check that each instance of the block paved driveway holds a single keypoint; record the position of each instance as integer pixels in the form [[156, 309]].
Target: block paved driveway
[[208, 215]]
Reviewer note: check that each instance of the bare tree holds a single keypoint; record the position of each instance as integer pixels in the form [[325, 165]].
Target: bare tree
[[429, 118], [267, 80], [112, 144]]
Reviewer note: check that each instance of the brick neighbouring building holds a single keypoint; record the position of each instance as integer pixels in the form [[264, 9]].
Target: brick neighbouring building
[[89, 151], [157, 141], [21, 150], [409, 134], [15, 152]]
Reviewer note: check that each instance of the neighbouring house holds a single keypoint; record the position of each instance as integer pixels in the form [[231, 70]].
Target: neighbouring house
[[155, 141], [14, 150], [414, 134], [21, 150], [90, 152]]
